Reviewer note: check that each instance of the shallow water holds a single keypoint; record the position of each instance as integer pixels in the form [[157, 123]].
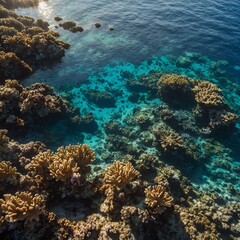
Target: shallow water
[[148, 35]]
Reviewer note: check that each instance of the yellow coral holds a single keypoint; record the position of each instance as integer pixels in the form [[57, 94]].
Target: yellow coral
[[63, 169], [173, 81], [22, 206], [40, 163], [170, 140], [7, 172], [207, 93], [71, 159], [157, 198], [120, 174]]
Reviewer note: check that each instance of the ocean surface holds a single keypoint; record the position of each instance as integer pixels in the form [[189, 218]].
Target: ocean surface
[[147, 35], [142, 29]]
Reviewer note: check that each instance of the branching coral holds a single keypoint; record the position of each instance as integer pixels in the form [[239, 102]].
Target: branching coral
[[169, 140], [40, 164], [97, 226], [22, 206], [222, 118], [157, 198], [208, 94], [120, 174], [71, 160], [8, 174]]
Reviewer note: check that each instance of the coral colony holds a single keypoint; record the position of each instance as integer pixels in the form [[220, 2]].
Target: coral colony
[[141, 191]]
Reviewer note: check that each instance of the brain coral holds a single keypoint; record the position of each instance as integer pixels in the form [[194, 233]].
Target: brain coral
[[120, 174], [157, 198], [22, 206]]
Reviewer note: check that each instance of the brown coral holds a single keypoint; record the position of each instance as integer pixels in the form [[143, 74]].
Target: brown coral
[[169, 140], [8, 174], [157, 198], [120, 174], [22, 206], [208, 94], [222, 118], [71, 160], [40, 164], [174, 88]]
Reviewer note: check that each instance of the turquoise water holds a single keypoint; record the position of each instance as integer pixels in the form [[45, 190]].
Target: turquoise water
[[198, 39]]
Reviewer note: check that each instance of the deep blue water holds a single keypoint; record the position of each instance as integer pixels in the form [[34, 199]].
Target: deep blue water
[[142, 29], [148, 35]]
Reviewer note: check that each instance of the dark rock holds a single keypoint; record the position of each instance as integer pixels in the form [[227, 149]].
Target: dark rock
[[76, 29], [98, 25], [67, 25], [57, 18], [135, 86], [100, 98]]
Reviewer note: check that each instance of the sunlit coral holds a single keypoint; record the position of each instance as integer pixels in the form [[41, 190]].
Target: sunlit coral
[[157, 198], [22, 206], [71, 159], [120, 174], [208, 94]]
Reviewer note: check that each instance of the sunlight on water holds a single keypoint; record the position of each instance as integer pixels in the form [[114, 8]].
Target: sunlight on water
[[44, 9]]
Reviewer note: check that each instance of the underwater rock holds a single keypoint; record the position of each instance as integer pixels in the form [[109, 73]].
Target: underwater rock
[[135, 86], [100, 98], [67, 25], [58, 19], [76, 29], [98, 25], [85, 123]]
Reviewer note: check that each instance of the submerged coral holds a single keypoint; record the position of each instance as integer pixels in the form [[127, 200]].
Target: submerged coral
[[120, 174], [25, 43], [22, 206], [157, 198]]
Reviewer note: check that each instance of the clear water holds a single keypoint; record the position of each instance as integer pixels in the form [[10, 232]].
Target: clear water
[[142, 29], [148, 35]]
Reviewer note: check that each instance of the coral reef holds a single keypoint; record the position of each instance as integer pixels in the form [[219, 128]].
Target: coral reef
[[22, 206], [169, 140], [20, 106], [25, 43], [207, 94], [71, 161], [120, 174], [157, 198]]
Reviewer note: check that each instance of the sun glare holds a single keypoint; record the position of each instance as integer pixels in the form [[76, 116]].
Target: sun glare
[[44, 9]]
